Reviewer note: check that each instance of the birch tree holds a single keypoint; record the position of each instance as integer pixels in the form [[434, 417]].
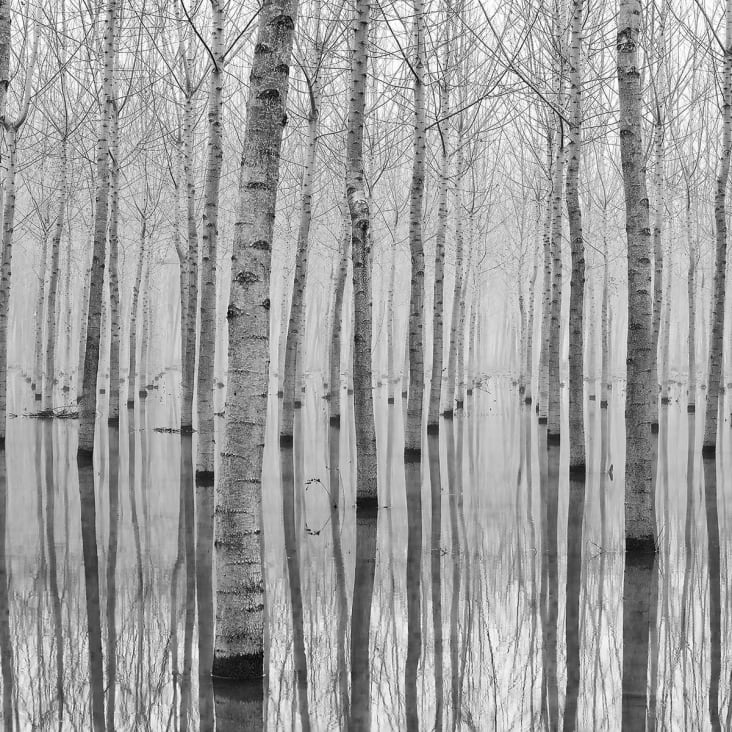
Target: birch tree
[[239, 644], [640, 511]]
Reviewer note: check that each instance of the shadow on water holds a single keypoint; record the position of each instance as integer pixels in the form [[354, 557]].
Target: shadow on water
[[433, 445], [413, 482], [6, 651], [292, 552], [713, 568], [106, 606], [53, 590], [112, 546], [363, 592], [549, 597], [87, 502]]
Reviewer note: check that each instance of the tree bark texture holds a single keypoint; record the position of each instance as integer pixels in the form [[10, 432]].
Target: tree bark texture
[[239, 643]]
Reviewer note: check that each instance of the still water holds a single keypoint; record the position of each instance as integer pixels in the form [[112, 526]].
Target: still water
[[499, 605]]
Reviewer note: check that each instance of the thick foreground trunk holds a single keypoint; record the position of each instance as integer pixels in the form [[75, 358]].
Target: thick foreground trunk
[[239, 644]]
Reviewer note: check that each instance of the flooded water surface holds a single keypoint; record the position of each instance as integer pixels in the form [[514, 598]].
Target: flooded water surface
[[489, 591]]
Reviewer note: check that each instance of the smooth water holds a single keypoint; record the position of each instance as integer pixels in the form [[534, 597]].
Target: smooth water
[[499, 605]]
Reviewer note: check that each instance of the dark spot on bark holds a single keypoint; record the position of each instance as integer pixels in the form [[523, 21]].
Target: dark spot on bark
[[284, 120], [257, 185], [265, 304], [282, 22], [282, 69], [262, 48], [232, 312], [269, 95], [239, 666], [246, 278], [262, 245]]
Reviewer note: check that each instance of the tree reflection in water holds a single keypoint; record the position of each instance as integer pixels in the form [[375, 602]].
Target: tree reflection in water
[[490, 591]]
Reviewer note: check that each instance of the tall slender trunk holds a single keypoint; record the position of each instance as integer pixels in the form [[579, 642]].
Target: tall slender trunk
[[604, 325], [529, 354], [543, 405], [83, 324], [413, 427], [716, 341], [189, 367], [640, 512], [132, 370], [554, 401], [88, 400], [113, 278], [51, 317], [337, 323], [449, 397], [577, 279], [293, 365], [5, 272], [358, 205], [691, 290], [205, 456], [37, 375], [659, 181], [239, 645]]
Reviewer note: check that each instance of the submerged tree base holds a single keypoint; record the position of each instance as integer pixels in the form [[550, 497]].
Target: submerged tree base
[[433, 429], [240, 666], [691, 408], [412, 455], [640, 545], [367, 505], [709, 451], [543, 420], [204, 478], [84, 458], [603, 404], [553, 438], [578, 472]]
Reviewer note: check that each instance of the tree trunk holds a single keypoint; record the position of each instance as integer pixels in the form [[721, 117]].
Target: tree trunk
[[239, 643], [604, 325], [691, 290], [433, 416], [449, 398], [51, 318], [189, 372], [37, 376], [554, 405], [358, 205], [716, 341], [413, 427], [543, 405], [88, 400], [529, 354], [205, 456], [292, 380], [114, 290], [131, 372], [5, 272], [640, 512], [337, 323], [577, 281]]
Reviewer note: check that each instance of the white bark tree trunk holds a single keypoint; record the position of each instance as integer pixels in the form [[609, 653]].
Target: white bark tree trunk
[[293, 367], [433, 416], [358, 205], [577, 462], [239, 644], [640, 512], [413, 427], [51, 311], [716, 340], [205, 456], [88, 399]]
